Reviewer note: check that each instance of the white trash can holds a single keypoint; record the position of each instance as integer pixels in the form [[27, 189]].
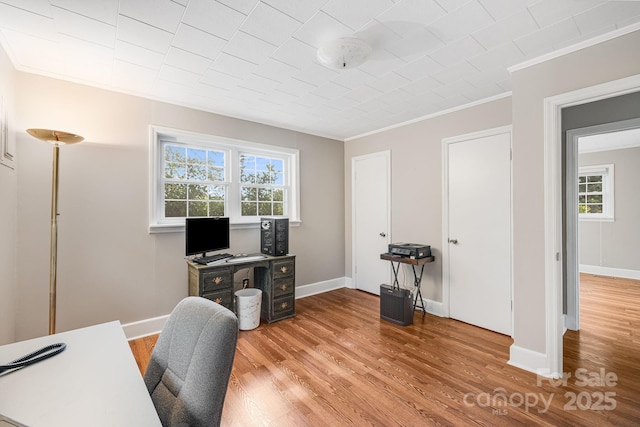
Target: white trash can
[[248, 303]]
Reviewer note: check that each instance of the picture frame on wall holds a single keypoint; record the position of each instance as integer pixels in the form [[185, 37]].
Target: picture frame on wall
[[7, 144]]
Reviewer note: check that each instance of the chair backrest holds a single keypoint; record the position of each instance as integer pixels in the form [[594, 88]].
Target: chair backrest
[[190, 366]]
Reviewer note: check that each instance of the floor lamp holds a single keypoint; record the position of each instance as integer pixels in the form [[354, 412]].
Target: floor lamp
[[56, 138]]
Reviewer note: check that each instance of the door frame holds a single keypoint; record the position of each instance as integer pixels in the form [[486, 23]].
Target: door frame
[[446, 142], [387, 156], [553, 214]]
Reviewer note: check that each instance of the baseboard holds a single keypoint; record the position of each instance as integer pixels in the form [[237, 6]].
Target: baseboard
[[610, 271], [530, 360], [144, 328], [432, 307], [320, 287]]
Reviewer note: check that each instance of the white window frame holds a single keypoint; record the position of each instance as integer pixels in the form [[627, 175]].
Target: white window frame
[[232, 148], [607, 172]]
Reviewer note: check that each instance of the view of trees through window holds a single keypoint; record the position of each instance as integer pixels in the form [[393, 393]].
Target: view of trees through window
[[261, 185], [590, 194]]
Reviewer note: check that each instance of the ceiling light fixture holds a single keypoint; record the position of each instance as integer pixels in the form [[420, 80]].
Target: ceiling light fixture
[[345, 52]]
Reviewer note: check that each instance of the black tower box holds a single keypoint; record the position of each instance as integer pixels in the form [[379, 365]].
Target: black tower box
[[396, 305], [274, 236]]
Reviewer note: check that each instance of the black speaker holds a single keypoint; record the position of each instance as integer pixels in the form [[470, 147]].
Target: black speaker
[[274, 236], [396, 305]]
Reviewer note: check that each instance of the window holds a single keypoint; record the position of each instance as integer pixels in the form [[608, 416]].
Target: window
[[196, 175], [595, 192]]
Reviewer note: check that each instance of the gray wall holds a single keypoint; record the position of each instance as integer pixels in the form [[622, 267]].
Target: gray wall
[[615, 244], [8, 215], [109, 266]]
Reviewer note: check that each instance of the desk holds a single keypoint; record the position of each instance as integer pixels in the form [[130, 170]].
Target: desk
[[417, 278], [94, 382]]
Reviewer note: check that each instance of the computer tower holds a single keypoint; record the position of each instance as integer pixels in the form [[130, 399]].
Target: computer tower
[[274, 236], [396, 305]]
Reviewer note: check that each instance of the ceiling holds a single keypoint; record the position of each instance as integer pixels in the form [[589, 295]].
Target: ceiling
[[256, 60]]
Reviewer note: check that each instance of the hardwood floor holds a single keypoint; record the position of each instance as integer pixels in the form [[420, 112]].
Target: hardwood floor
[[336, 363]]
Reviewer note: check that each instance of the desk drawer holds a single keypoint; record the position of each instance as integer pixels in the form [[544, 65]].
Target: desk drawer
[[224, 298], [283, 269], [283, 287], [216, 280], [283, 307]]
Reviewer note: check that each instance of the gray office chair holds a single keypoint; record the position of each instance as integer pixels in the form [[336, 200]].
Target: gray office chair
[[190, 366]]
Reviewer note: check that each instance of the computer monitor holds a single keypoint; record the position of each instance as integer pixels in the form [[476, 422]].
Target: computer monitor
[[206, 234]]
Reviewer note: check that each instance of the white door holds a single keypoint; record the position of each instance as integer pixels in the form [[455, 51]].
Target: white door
[[478, 239], [370, 205]]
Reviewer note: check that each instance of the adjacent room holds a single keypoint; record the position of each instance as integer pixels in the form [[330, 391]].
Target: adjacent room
[[424, 212]]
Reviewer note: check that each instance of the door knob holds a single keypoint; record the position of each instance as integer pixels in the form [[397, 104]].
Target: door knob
[[383, 234], [454, 241]]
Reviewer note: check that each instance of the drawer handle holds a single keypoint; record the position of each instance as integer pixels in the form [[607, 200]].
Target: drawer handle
[[218, 300], [283, 269], [217, 280], [284, 305], [283, 287]]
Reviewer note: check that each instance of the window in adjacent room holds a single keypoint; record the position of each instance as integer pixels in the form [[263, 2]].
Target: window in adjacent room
[[196, 175], [595, 192]]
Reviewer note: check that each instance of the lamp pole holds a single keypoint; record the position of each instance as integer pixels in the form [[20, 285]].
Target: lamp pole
[[56, 138]]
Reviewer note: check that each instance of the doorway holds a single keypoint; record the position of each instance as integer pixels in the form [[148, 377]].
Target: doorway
[[371, 216]]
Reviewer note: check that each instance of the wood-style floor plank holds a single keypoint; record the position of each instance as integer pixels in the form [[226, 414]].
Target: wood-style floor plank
[[338, 364]]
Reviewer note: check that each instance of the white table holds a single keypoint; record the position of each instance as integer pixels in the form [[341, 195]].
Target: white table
[[94, 382]]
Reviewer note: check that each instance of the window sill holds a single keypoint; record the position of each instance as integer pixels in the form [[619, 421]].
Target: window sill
[[596, 219], [179, 228]]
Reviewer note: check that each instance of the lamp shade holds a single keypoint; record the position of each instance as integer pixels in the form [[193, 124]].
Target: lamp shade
[[345, 52], [55, 136]]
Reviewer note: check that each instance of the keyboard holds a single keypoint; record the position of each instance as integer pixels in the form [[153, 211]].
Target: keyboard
[[212, 258], [245, 258]]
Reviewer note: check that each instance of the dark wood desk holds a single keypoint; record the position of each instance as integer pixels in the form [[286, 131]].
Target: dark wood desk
[[417, 277]]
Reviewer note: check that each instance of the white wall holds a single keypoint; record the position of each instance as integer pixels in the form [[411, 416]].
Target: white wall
[[109, 266], [8, 214], [611, 60], [416, 178]]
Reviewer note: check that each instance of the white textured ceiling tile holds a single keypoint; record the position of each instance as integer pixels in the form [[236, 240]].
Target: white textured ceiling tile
[[331, 90], [310, 100], [178, 75], [38, 7], [515, 26], [33, 24], [483, 92], [457, 51], [221, 80], [300, 10], [320, 29], [381, 63], [388, 82], [187, 61], [276, 70], [84, 28], [133, 77], [86, 51], [182, 2], [32, 52], [295, 53], [371, 105], [197, 41], [450, 5], [242, 6], [545, 39], [352, 78], [363, 93], [249, 48], [411, 13], [548, 12], [315, 74], [233, 66], [421, 86], [501, 9], [270, 24], [133, 54], [456, 72], [414, 45], [295, 87], [104, 10], [487, 77], [356, 13], [506, 55], [461, 22], [258, 83], [135, 32], [344, 103], [605, 15], [164, 14], [213, 17], [418, 69]]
